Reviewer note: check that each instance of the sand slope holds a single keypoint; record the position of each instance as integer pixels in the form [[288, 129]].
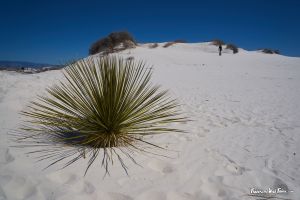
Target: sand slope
[[244, 134]]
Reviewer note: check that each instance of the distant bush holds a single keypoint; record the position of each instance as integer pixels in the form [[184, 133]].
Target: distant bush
[[232, 47], [168, 44], [174, 42], [101, 45], [270, 51], [152, 46], [121, 37], [217, 42], [180, 41], [113, 42]]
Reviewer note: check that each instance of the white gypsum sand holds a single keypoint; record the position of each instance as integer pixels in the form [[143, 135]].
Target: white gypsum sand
[[245, 109]]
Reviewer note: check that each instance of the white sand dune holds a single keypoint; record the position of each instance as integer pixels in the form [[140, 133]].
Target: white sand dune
[[245, 109]]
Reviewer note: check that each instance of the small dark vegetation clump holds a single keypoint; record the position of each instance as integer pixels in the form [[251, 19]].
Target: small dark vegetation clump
[[232, 47], [116, 41], [131, 58], [154, 45], [180, 41], [168, 44], [270, 51], [217, 42]]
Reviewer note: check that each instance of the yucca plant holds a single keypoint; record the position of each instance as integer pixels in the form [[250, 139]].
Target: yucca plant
[[105, 105]]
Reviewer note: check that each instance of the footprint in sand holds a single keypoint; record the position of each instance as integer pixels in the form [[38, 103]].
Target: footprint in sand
[[5, 179], [6, 157], [88, 188], [23, 188], [63, 178], [2, 194], [119, 196], [73, 182], [73, 178], [161, 166], [150, 195], [234, 169], [230, 165]]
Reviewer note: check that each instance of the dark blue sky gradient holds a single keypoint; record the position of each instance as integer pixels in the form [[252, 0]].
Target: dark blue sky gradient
[[58, 31]]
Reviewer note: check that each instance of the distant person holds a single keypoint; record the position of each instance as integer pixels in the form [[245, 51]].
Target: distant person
[[220, 50]]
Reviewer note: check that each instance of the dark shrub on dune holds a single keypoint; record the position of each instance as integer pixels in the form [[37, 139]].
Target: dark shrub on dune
[[180, 41], [120, 37], [232, 47], [270, 51], [113, 42], [101, 45], [168, 44], [217, 42]]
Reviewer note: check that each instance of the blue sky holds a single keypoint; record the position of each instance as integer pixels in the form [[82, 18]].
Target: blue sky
[[58, 31]]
